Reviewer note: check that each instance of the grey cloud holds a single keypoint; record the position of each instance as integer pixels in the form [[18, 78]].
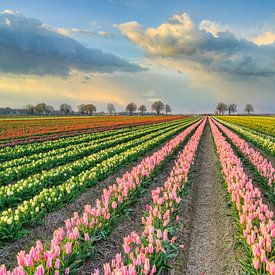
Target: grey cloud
[[27, 46]]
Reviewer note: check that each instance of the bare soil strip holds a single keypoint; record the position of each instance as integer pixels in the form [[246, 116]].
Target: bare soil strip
[[212, 237], [56, 219]]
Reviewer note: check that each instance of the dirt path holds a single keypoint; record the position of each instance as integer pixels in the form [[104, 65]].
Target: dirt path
[[211, 245]]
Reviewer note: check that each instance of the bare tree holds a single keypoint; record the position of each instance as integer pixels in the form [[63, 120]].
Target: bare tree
[[232, 108], [221, 108], [29, 109], [89, 109], [81, 109], [49, 109], [142, 109], [157, 106], [40, 108], [131, 107], [65, 109], [168, 109], [111, 108], [248, 108]]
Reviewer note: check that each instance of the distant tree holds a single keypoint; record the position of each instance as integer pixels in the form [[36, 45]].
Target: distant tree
[[89, 109], [29, 109], [49, 109], [221, 108], [168, 109], [232, 108], [6, 111], [40, 108], [65, 109], [157, 106], [111, 108], [131, 107], [142, 109], [248, 109], [81, 109]]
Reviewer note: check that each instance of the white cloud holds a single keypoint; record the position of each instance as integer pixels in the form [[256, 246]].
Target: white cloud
[[265, 38], [212, 27], [69, 32], [10, 12]]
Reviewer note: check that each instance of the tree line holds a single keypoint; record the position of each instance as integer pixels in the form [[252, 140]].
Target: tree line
[[86, 109], [157, 107], [232, 108]]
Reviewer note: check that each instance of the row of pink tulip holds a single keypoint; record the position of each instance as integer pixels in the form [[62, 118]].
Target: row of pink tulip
[[255, 217], [263, 166], [148, 252], [72, 243]]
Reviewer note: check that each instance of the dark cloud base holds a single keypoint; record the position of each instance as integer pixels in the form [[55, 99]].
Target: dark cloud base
[[29, 47]]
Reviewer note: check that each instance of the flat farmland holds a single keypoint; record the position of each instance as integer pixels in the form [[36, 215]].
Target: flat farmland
[[138, 195]]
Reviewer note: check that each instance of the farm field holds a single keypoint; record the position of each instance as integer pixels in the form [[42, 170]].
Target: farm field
[[160, 195], [24, 129], [264, 125]]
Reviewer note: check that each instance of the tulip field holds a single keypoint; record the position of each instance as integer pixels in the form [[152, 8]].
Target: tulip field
[[137, 195], [21, 130]]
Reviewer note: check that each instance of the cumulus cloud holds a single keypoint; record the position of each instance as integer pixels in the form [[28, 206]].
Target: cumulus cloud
[[27, 46], [212, 27], [207, 46], [265, 38]]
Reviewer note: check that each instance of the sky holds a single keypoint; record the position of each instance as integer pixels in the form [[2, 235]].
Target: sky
[[188, 54]]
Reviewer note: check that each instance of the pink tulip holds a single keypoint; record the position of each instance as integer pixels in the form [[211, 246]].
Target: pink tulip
[[256, 263], [107, 269], [146, 266], [68, 247], [39, 270]]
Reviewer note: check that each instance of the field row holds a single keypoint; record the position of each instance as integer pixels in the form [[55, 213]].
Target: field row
[[9, 153], [263, 141], [19, 130], [264, 125], [32, 198], [21, 167]]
